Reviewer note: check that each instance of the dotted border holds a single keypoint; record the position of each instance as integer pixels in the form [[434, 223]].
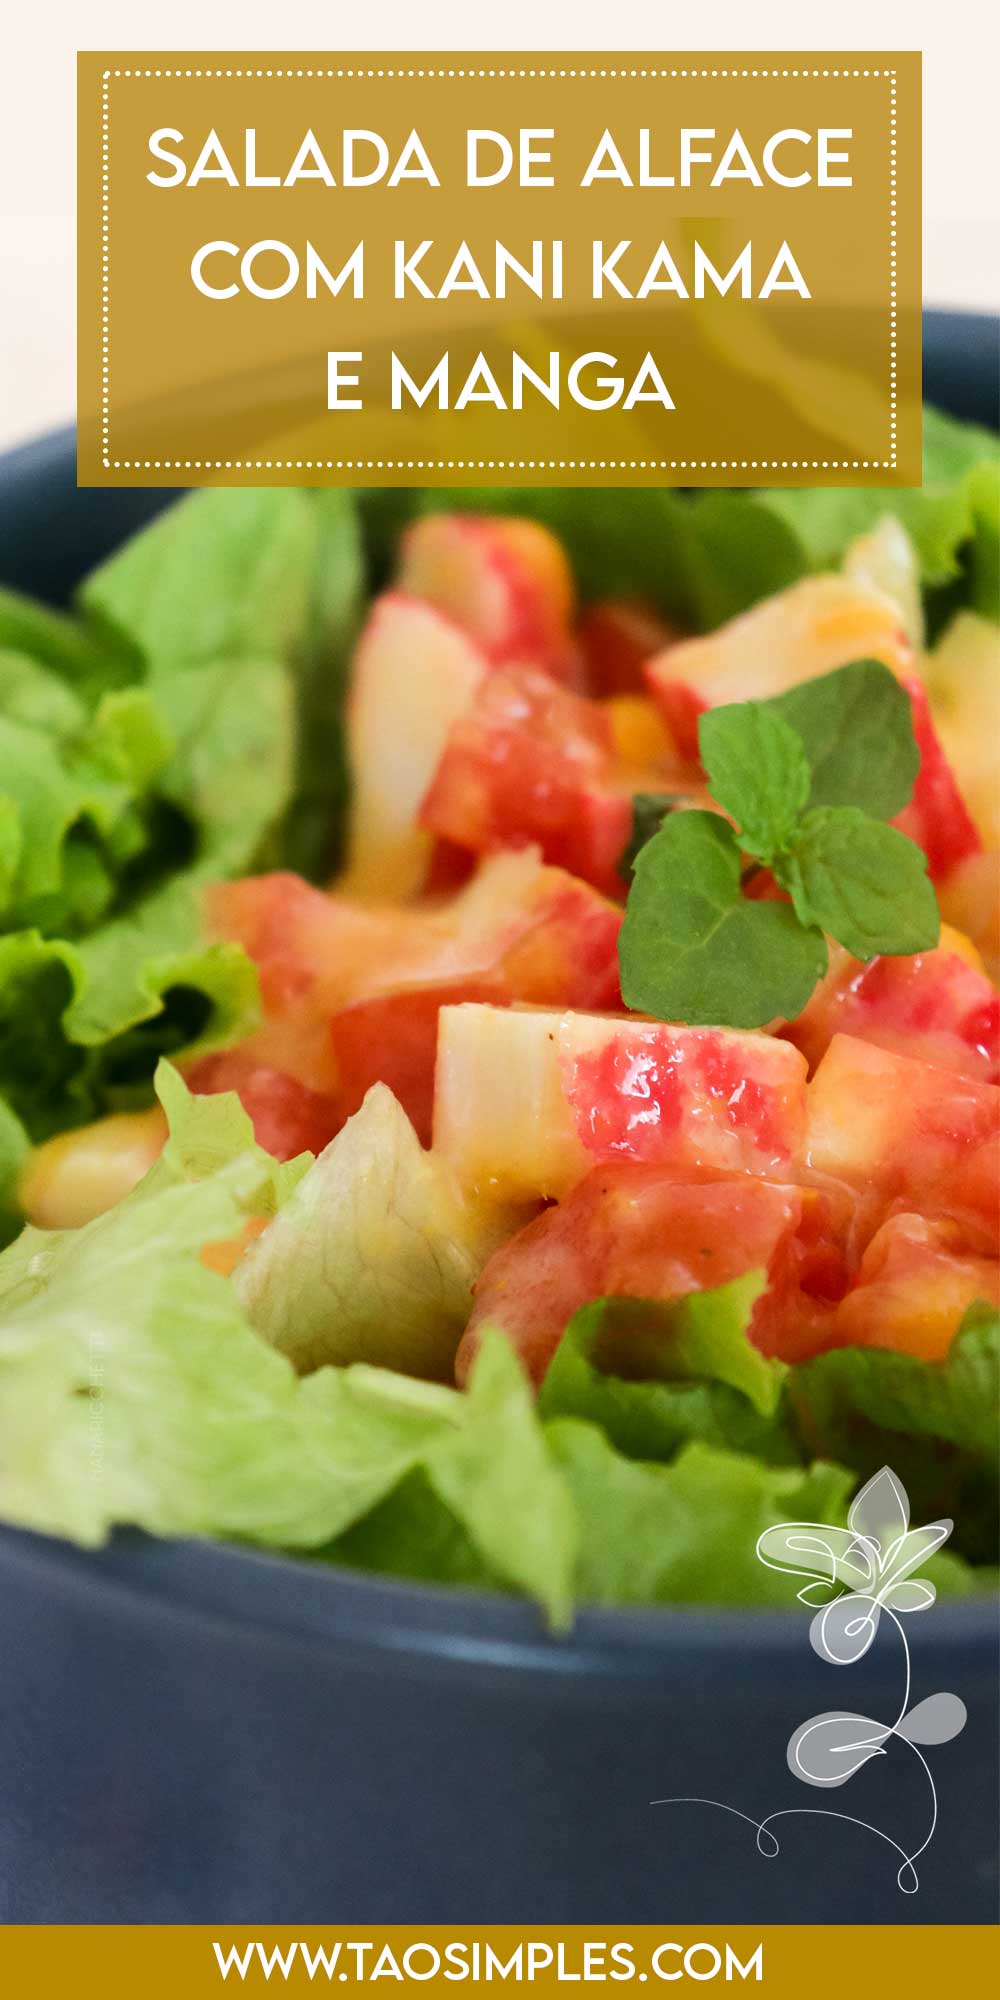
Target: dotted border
[[501, 464]]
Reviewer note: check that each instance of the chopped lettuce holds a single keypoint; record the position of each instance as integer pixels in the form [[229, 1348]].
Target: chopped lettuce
[[224, 575], [52, 788], [206, 1133], [312, 835], [935, 1422], [186, 723], [496, 1474], [953, 518], [373, 1258], [134, 1389], [64, 646], [654, 1376], [31, 693], [686, 1532], [182, 727]]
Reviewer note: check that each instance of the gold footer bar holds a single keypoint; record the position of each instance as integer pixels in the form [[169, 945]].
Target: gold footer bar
[[792, 1960]]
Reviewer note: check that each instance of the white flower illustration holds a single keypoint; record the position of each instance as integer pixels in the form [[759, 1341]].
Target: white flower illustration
[[854, 1575], [874, 1556]]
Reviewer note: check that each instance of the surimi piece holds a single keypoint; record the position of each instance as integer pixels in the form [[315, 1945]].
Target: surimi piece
[[626, 1232], [526, 1101], [821, 623], [904, 1132], [916, 1281], [936, 1005], [506, 582], [529, 761], [350, 990], [414, 673]]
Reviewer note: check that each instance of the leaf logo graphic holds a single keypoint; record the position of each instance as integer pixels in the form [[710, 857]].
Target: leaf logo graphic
[[830, 1748], [873, 1557], [854, 1576]]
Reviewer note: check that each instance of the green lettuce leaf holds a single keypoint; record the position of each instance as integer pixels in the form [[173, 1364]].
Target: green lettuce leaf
[[698, 559], [230, 617], [496, 1473], [88, 662], [82, 1025], [84, 995], [952, 518], [685, 1532], [312, 835], [934, 1422], [51, 791], [654, 1376], [14, 1145], [193, 768], [32, 693], [39, 1070], [225, 574], [414, 1534], [374, 1257], [134, 1390], [207, 1133], [233, 725]]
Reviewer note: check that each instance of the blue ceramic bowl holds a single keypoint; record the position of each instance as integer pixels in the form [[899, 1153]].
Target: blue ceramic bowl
[[195, 1733]]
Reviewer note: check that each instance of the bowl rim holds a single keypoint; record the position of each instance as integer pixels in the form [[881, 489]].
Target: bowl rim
[[288, 1598], [282, 1597]]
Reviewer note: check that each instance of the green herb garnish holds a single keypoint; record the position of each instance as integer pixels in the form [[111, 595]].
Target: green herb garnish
[[809, 779], [649, 810]]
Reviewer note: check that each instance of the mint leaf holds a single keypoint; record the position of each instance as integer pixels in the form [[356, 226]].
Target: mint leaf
[[856, 725], [693, 949], [861, 881], [649, 810], [757, 771]]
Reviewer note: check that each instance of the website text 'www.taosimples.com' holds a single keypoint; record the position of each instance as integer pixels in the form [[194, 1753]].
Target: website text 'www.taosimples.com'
[[365, 1960]]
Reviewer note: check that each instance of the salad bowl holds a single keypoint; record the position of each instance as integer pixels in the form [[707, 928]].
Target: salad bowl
[[193, 1732]]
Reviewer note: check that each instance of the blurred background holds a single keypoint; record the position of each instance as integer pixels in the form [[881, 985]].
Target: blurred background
[[960, 43]]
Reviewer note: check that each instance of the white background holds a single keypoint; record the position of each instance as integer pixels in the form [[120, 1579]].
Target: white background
[[960, 40]]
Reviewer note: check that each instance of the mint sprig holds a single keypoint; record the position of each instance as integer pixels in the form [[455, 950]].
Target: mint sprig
[[791, 774], [758, 773], [649, 810]]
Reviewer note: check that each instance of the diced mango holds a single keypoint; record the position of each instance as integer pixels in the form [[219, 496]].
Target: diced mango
[[76, 1176]]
